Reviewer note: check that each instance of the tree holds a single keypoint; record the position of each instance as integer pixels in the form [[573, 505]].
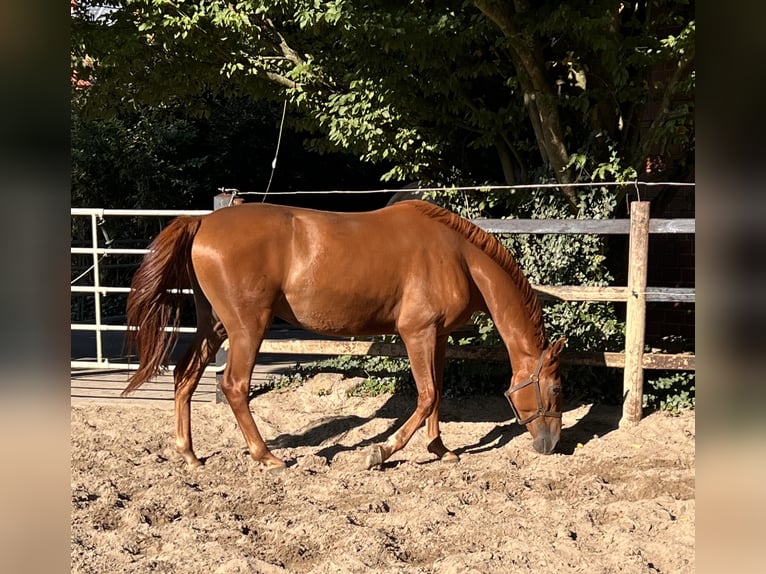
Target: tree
[[445, 92], [557, 90]]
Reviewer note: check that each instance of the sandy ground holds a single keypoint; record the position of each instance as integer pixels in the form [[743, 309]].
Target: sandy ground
[[611, 500]]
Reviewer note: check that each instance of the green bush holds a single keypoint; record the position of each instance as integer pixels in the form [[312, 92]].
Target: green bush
[[670, 391], [380, 374]]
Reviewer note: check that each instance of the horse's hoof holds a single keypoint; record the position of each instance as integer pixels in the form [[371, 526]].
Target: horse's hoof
[[375, 457], [191, 460], [272, 468], [450, 457], [437, 447], [271, 462]]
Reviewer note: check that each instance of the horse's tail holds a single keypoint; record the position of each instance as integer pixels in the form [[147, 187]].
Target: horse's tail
[[155, 300]]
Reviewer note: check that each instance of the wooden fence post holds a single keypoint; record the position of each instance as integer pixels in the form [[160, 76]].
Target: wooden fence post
[[635, 321], [220, 201]]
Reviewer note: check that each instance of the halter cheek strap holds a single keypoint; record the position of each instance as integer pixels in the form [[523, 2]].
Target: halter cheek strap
[[534, 379]]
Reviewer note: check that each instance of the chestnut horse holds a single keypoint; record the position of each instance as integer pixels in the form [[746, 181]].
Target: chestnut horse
[[412, 269]]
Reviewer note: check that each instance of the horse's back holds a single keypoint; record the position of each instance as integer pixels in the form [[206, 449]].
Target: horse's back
[[397, 230]]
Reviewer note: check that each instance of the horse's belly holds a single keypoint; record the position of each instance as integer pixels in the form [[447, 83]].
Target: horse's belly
[[337, 313], [376, 302]]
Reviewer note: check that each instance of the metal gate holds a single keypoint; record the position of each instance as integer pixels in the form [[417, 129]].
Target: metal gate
[[99, 248]]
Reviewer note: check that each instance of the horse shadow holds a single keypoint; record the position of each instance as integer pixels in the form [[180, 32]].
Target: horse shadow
[[330, 429], [327, 432], [599, 420]]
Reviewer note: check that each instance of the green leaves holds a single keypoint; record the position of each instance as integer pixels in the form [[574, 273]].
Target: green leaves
[[671, 392], [429, 90], [380, 374]]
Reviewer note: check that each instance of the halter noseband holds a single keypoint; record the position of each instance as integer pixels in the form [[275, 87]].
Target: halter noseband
[[534, 379]]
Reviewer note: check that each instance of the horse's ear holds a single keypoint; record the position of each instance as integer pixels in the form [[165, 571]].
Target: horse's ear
[[558, 346]]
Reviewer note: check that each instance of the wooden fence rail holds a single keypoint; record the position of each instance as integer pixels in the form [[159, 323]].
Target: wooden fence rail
[[636, 294]]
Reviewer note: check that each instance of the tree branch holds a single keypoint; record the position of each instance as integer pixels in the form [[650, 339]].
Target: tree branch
[[280, 45], [539, 96], [506, 160], [650, 138], [277, 79]]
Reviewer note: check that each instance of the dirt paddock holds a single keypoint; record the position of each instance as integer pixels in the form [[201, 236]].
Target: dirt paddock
[[611, 500]]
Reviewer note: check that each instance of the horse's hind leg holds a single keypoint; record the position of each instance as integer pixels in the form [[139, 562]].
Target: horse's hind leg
[[244, 342], [188, 371]]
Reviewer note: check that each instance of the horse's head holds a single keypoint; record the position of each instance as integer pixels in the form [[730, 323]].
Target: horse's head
[[536, 399]]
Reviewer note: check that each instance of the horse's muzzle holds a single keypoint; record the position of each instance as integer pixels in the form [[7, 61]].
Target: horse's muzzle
[[545, 443]]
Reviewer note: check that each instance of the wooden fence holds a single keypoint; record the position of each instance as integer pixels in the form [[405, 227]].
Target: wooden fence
[[635, 294]]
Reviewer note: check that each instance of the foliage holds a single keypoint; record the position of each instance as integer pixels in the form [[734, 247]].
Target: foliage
[[670, 391], [433, 90], [154, 168], [380, 374]]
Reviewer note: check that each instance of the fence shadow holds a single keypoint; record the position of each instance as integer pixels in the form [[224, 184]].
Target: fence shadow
[[600, 420]]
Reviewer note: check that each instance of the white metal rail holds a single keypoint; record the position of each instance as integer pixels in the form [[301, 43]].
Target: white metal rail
[[98, 326]]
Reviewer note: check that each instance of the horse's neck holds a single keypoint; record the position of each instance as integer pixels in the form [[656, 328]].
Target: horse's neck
[[505, 305]]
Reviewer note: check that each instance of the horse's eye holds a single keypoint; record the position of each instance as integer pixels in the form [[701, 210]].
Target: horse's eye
[[556, 390]]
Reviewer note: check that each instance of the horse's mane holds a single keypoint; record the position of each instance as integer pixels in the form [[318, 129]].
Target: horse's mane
[[499, 254]]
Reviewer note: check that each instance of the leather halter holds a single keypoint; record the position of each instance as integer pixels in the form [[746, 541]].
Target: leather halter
[[534, 379]]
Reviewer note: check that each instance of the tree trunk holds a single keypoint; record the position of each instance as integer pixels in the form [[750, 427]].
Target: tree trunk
[[513, 168], [539, 95]]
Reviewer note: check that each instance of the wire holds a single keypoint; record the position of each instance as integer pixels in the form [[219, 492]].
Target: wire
[[479, 187], [88, 270], [276, 153], [107, 242]]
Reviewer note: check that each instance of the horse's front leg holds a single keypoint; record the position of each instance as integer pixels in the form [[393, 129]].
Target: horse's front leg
[[434, 442], [426, 354]]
